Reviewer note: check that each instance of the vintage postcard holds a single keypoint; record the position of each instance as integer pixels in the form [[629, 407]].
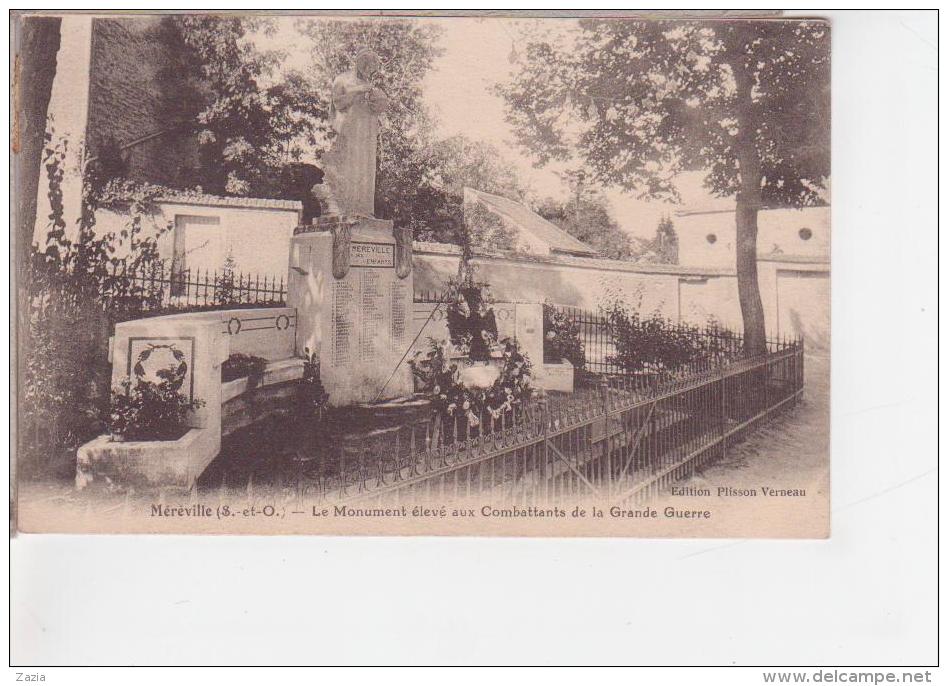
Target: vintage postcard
[[459, 275]]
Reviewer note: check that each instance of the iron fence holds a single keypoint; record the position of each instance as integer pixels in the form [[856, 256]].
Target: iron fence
[[125, 292], [597, 333], [617, 438], [166, 286], [430, 296]]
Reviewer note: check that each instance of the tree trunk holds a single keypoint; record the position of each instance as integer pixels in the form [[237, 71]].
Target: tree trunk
[[748, 204], [748, 289], [36, 43], [34, 70]]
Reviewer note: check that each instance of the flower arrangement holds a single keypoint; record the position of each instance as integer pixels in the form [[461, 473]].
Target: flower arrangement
[[561, 339], [239, 365], [470, 319], [451, 399]]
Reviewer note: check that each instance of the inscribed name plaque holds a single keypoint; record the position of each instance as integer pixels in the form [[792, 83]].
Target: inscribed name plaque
[[373, 313], [356, 322], [401, 301], [380, 255], [342, 315]]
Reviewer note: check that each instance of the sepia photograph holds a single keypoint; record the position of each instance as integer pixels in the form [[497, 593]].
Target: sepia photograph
[[468, 275], [524, 338]]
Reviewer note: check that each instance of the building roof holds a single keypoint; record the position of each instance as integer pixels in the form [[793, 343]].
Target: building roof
[[793, 259], [185, 198], [731, 209], [531, 222], [599, 263], [602, 263]]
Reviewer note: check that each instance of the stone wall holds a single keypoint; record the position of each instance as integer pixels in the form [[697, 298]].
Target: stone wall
[[779, 232], [125, 100], [562, 280], [199, 343], [254, 231], [794, 290]]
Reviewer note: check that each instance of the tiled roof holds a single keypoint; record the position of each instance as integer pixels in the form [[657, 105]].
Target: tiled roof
[[222, 201], [533, 223]]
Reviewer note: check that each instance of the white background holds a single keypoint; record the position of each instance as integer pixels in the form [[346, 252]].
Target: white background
[[866, 596]]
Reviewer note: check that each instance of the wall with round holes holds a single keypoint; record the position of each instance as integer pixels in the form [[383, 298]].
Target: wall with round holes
[[708, 239]]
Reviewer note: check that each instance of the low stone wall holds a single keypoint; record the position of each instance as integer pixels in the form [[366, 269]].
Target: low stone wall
[[146, 464], [199, 343], [268, 332], [794, 289], [275, 393]]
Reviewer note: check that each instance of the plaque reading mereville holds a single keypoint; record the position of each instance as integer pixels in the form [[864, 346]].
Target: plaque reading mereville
[[372, 255]]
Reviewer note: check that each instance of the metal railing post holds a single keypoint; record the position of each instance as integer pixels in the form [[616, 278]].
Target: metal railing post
[[542, 406], [724, 412], [606, 450]]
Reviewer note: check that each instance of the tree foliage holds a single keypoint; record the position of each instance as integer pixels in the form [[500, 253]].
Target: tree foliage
[[640, 101], [421, 177], [407, 51], [456, 163], [653, 98], [664, 247], [215, 84], [586, 215]]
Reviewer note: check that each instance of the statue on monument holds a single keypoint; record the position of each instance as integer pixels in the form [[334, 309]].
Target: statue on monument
[[358, 320], [350, 163]]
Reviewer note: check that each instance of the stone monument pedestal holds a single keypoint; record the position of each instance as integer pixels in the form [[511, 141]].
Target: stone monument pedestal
[[353, 308]]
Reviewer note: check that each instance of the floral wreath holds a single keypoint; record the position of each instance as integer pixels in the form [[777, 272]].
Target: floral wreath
[[177, 376]]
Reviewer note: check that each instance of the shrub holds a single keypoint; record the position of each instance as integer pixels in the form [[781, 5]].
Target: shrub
[[65, 387], [313, 396], [77, 286], [654, 343], [151, 411], [226, 288], [561, 339], [238, 365]]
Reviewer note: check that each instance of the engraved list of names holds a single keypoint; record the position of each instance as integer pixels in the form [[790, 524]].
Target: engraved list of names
[[373, 315], [370, 308], [342, 316]]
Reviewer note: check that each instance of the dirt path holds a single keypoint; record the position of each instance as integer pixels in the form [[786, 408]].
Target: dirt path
[[792, 452]]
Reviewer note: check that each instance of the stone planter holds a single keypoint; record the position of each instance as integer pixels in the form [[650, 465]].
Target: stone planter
[[146, 464]]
